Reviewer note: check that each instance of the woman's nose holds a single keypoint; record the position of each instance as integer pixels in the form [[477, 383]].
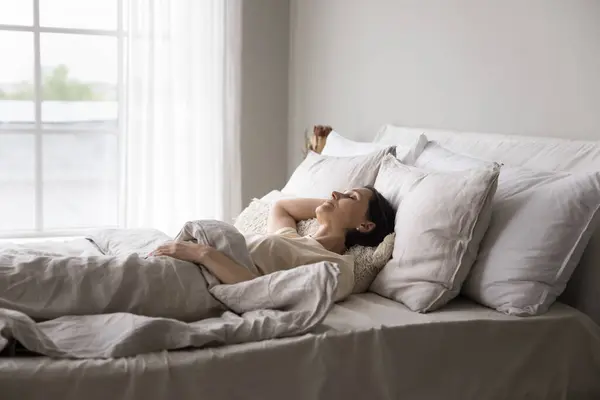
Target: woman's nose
[[335, 195]]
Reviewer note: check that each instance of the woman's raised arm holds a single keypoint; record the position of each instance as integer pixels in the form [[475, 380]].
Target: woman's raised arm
[[288, 212]]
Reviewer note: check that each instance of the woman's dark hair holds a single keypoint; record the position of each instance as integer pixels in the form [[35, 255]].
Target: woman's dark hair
[[382, 214]]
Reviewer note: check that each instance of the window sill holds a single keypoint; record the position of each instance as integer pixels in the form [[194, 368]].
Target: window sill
[[25, 240], [49, 235]]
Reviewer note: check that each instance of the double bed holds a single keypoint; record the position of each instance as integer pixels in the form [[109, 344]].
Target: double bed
[[368, 347]]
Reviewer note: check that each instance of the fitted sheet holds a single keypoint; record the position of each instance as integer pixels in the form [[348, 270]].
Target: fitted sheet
[[367, 348]]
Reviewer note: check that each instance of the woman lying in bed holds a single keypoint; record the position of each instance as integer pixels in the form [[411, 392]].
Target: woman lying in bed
[[356, 217]]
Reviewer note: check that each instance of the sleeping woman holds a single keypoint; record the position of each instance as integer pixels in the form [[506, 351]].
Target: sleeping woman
[[359, 216]]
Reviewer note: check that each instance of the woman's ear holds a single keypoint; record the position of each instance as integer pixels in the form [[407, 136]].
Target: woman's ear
[[366, 227]]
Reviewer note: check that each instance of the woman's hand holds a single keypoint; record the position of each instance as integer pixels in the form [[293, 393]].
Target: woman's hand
[[221, 266], [186, 251]]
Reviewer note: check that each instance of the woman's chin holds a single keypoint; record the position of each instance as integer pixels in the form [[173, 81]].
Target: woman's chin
[[323, 210]]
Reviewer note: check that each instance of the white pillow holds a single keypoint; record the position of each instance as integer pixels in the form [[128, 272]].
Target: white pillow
[[541, 223], [318, 175], [339, 146], [440, 221], [368, 261], [398, 136], [435, 157]]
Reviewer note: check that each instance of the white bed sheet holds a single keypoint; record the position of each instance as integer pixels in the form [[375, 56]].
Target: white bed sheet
[[367, 348]]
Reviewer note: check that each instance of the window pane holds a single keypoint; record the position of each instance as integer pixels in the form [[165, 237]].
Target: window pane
[[79, 81], [17, 182], [17, 109], [80, 180], [16, 12], [82, 14]]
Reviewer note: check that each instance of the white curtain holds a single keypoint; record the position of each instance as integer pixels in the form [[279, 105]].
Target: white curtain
[[182, 111]]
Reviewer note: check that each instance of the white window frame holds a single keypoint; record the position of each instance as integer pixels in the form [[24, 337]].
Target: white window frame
[[38, 130]]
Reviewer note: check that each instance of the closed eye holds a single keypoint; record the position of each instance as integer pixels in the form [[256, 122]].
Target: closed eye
[[351, 195]]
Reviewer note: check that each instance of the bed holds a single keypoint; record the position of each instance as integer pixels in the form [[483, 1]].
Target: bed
[[368, 347]]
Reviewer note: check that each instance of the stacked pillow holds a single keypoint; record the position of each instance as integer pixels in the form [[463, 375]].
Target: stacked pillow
[[541, 224], [345, 164], [407, 151]]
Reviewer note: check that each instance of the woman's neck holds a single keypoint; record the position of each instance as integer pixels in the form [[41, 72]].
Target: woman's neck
[[330, 237]]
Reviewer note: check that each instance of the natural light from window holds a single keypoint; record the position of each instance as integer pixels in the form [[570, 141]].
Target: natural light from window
[[60, 119]]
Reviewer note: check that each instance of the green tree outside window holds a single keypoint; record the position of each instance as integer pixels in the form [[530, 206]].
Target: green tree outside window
[[56, 86]]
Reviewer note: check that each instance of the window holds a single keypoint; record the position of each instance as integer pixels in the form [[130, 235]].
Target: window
[[61, 81]]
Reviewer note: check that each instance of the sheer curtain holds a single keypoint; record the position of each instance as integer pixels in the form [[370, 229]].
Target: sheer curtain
[[182, 111]]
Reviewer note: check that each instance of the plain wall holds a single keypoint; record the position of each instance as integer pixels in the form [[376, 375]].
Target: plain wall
[[503, 66], [264, 98]]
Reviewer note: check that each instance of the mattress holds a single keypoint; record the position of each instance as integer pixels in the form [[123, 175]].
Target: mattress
[[367, 348]]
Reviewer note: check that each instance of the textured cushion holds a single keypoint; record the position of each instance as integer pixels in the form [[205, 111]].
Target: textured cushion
[[368, 261], [541, 223], [318, 175], [440, 221]]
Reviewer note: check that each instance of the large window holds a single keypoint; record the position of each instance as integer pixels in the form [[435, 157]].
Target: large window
[[60, 117]]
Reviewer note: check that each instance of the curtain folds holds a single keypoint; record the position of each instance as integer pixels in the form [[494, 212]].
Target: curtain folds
[[182, 146]]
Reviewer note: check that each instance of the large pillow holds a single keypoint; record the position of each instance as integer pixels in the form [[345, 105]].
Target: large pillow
[[318, 175], [541, 223], [368, 261], [339, 146], [440, 221]]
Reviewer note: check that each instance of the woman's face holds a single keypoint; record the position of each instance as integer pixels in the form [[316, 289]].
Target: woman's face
[[347, 210]]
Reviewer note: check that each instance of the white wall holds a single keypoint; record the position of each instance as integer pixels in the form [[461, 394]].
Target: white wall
[[264, 109], [508, 66]]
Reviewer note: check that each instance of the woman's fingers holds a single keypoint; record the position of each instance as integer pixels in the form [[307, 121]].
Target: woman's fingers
[[166, 246], [162, 250], [182, 251]]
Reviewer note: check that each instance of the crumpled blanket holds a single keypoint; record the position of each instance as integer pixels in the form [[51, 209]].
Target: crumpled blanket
[[125, 303]]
